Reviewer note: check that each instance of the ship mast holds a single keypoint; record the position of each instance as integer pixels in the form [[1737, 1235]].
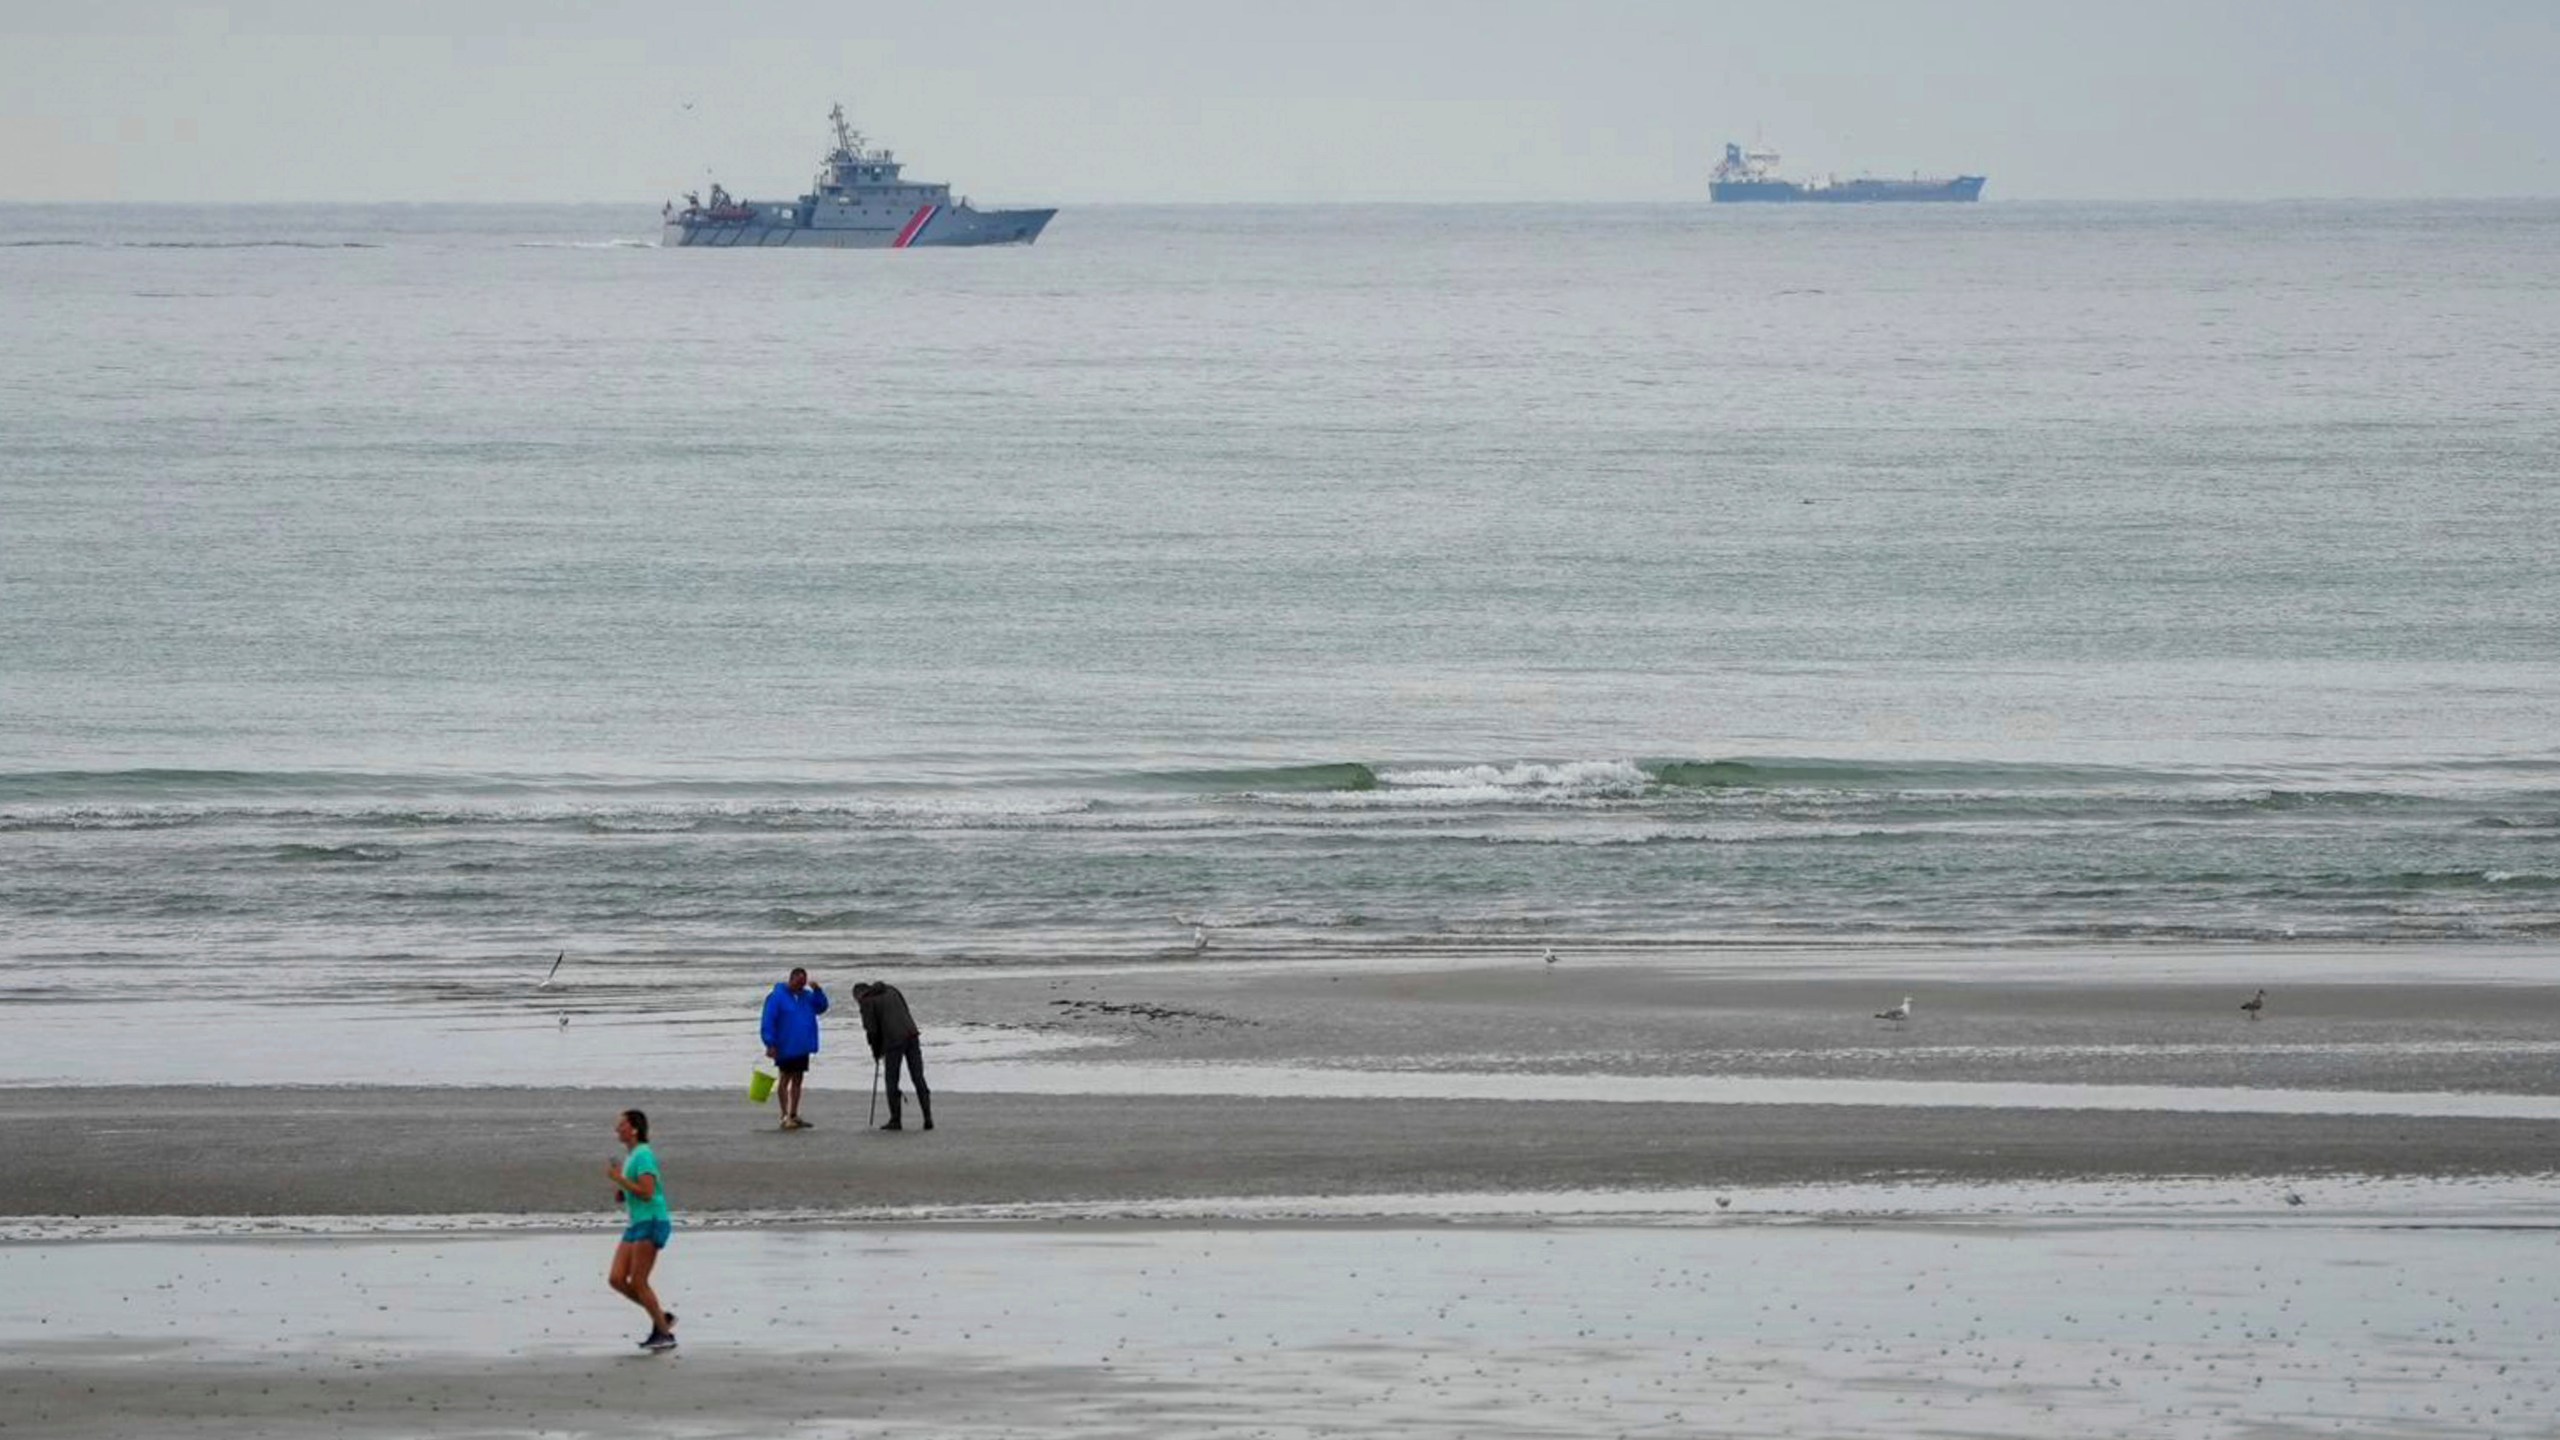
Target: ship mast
[[847, 141]]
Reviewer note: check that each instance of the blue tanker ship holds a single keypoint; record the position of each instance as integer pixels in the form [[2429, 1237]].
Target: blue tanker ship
[[1753, 175]]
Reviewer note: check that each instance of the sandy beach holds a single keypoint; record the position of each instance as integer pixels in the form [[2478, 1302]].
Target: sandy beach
[[1205, 1081], [366, 1152], [1291, 1199], [2250, 1324]]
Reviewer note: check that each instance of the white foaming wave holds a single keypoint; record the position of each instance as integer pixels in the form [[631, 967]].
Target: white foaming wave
[[922, 815], [1661, 834], [1575, 782], [1452, 798], [1614, 777], [96, 817]]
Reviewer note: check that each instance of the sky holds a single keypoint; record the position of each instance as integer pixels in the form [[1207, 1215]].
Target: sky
[[1358, 101]]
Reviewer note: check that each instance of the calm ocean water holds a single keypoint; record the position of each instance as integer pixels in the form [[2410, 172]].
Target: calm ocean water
[[426, 589]]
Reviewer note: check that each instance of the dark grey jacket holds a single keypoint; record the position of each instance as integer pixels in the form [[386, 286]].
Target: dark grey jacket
[[885, 1021]]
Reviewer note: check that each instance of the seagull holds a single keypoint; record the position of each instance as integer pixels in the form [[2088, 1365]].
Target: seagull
[[2255, 1004], [1199, 939], [564, 1019], [2293, 1197], [555, 972], [1724, 1202], [1550, 956], [1898, 1013]]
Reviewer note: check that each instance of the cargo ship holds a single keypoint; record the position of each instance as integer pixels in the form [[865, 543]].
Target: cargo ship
[[860, 201], [1752, 175]]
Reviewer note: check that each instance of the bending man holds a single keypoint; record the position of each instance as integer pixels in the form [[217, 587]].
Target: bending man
[[894, 1037]]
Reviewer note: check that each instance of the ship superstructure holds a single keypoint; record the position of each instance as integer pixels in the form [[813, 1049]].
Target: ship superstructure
[[860, 200], [1752, 175]]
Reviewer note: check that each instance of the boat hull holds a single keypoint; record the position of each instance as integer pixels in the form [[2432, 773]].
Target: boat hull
[[773, 227], [1963, 189]]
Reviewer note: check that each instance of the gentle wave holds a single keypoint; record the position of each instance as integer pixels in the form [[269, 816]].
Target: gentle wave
[[1824, 774], [1346, 775], [153, 783], [365, 854], [60, 244], [2456, 880], [790, 919], [1604, 789], [2528, 781]]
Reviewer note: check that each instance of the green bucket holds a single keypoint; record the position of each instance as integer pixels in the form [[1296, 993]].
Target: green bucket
[[760, 1082]]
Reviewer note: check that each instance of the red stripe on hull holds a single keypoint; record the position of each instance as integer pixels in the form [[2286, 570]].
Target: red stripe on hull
[[915, 227]]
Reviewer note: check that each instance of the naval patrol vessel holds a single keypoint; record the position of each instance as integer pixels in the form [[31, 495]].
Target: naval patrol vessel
[[858, 202]]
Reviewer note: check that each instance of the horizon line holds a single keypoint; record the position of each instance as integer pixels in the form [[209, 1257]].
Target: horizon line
[[1362, 203]]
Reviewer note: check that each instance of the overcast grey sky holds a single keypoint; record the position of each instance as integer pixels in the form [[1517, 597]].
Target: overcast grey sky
[[1211, 100]]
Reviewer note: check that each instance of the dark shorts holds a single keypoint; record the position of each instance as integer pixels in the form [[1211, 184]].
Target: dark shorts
[[656, 1232], [792, 1064]]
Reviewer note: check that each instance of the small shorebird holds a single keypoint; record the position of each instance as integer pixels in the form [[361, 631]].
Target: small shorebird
[[2255, 1005], [564, 1019], [1898, 1013], [1199, 939], [1550, 956]]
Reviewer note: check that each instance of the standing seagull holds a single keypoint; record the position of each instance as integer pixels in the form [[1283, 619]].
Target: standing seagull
[[554, 974], [1898, 1013], [2255, 1005], [1550, 956], [1199, 939]]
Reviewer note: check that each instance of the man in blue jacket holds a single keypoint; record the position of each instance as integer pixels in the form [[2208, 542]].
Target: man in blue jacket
[[791, 1036]]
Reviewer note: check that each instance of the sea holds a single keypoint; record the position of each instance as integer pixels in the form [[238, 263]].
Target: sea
[[394, 600]]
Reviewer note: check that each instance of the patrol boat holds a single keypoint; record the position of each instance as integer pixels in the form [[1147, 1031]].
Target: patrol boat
[[858, 202]]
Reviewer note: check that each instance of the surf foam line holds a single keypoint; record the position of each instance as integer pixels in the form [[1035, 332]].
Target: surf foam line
[[2328, 1201], [1287, 1082]]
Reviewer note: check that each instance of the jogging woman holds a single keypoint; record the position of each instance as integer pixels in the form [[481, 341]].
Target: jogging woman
[[646, 1226]]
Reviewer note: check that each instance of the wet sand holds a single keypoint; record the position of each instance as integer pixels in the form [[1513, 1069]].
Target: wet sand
[[1315, 1254], [378, 1152], [2095, 1326], [1110, 1119], [2334, 1019]]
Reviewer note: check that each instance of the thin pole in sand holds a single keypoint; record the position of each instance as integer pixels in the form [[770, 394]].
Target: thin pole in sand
[[875, 1092]]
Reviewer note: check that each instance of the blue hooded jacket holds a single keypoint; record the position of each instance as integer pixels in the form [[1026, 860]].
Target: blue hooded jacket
[[791, 1021]]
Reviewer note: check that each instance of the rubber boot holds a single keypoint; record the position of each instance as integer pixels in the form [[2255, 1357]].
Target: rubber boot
[[924, 1107]]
